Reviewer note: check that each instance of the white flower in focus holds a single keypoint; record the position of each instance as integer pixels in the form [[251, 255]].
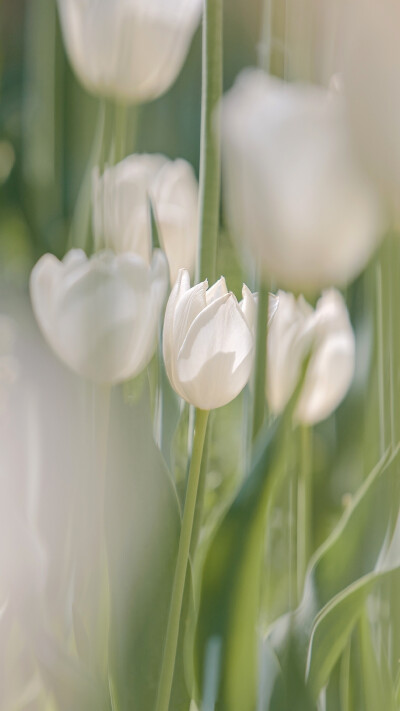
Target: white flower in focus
[[130, 50], [295, 329], [121, 217], [371, 73], [100, 315], [208, 341], [293, 191]]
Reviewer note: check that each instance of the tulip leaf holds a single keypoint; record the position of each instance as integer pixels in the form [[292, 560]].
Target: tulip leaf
[[229, 599], [376, 681], [142, 532], [362, 551]]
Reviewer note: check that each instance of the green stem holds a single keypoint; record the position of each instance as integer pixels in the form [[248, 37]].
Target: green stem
[[304, 507], [121, 130], [171, 641], [381, 359], [80, 227], [264, 51], [198, 514], [210, 147], [261, 360], [102, 158]]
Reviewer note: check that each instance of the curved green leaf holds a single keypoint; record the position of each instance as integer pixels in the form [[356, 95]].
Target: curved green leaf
[[362, 550]]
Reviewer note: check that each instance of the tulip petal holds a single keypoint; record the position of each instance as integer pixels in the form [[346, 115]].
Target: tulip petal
[[287, 346], [215, 360], [216, 290], [181, 286], [248, 306], [331, 368], [43, 281], [328, 379]]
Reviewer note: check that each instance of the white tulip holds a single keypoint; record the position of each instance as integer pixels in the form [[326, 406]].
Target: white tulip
[[121, 217], [296, 328], [208, 341], [371, 74], [130, 50], [100, 315], [293, 190]]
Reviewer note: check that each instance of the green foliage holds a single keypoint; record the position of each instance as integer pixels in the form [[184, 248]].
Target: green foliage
[[231, 583], [142, 535], [362, 551]]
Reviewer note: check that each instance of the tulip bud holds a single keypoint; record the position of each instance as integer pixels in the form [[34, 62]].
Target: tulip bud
[[293, 189], [100, 315], [296, 328], [121, 218], [130, 50], [208, 341]]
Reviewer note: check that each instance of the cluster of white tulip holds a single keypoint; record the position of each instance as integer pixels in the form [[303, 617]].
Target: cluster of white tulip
[[121, 216], [296, 199]]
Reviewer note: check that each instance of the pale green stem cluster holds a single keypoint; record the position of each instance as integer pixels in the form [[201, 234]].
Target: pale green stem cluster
[[171, 642], [304, 507]]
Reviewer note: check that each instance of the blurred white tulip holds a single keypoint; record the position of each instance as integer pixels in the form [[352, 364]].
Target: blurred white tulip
[[208, 341], [100, 315], [371, 73], [121, 216], [295, 329], [130, 50], [294, 193]]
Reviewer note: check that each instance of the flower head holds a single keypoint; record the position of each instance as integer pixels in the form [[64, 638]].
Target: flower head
[[100, 315], [295, 329], [130, 50], [208, 341], [294, 193]]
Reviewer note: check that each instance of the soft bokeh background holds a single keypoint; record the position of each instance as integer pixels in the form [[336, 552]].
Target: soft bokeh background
[[46, 130], [47, 124]]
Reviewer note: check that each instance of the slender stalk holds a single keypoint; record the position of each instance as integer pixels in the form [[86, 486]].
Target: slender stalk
[[304, 507], [80, 226], [103, 156], [381, 359], [198, 514], [121, 130], [210, 148], [261, 360], [264, 49], [171, 641]]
